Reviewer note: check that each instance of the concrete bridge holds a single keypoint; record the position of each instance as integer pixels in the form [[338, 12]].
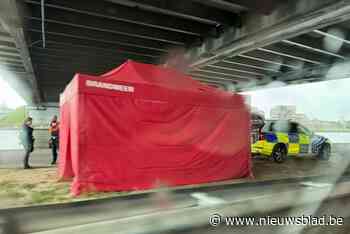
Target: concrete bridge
[[240, 44]]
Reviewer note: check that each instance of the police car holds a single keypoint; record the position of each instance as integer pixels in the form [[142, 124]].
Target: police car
[[280, 138]]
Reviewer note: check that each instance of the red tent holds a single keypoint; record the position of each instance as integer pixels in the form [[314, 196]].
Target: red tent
[[140, 125]]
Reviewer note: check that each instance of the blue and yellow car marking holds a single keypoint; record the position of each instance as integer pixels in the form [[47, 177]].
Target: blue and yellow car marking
[[295, 143]]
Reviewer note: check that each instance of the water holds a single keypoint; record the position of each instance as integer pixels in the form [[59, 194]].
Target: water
[[336, 137], [9, 140]]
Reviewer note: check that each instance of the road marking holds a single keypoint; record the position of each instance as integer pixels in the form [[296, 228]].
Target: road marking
[[205, 200], [315, 185]]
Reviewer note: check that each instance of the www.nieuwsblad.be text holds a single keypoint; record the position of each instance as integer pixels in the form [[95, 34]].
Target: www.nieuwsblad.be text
[[325, 220]]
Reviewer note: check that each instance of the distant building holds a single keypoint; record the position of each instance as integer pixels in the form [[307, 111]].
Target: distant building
[[322, 125], [342, 122], [347, 124], [302, 118], [283, 112]]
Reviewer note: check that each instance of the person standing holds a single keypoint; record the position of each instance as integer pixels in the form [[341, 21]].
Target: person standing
[[54, 140], [27, 140]]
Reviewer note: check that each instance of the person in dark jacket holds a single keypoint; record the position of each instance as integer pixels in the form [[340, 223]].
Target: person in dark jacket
[[54, 140], [27, 140]]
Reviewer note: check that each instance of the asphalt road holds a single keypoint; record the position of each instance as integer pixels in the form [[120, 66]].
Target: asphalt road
[[62, 215], [30, 219]]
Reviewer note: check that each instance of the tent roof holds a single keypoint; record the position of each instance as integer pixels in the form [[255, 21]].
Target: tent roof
[[141, 73], [152, 82]]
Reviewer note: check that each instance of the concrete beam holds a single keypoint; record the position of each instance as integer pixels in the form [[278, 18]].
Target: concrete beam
[[288, 20], [219, 76], [71, 71], [93, 35], [183, 9], [330, 35], [211, 82], [246, 65], [22, 45], [59, 46], [262, 7], [103, 25], [338, 70], [235, 69], [220, 70], [11, 61], [294, 53], [224, 5], [225, 73], [5, 51], [10, 54], [313, 49], [9, 64], [76, 40], [77, 67], [213, 78], [289, 55], [8, 48], [135, 16], [5, 37], [50, 62], [85, 55], [7, 45], [11, 58], [11, 20], [92, 61], [12, 69], [268, 58]]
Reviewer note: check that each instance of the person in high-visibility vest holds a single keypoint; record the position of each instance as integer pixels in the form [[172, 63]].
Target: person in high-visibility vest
[[54, 140]]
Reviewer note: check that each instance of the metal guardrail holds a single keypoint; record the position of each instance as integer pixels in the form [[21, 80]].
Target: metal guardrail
[[140, 213], [196, 219]]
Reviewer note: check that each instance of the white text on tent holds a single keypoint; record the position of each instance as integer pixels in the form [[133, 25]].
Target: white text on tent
[[103, 85]]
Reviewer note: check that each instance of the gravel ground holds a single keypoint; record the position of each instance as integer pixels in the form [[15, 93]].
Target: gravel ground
[[20, 187]]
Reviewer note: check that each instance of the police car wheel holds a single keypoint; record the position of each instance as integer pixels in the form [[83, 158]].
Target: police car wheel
[[325, 152], [279, 153]]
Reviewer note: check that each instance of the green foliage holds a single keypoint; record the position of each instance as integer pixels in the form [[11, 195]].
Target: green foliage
[[9, 190], [14, 118], [42, 196]]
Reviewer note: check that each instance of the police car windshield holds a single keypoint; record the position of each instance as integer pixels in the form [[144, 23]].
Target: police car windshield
[[276, 126]]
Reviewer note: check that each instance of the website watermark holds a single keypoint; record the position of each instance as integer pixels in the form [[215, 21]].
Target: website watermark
[[304, 220]]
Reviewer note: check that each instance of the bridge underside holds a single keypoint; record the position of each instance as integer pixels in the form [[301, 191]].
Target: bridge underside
[[227, 43]]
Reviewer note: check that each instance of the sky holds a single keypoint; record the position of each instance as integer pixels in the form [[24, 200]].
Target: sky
[[326, 100], [9, 96]]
